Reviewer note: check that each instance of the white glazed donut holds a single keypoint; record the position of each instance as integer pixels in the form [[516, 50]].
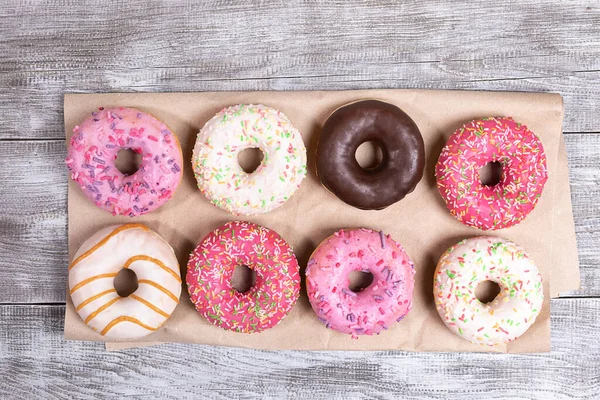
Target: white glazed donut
[[472, 261], [99, 260], [225, 183]]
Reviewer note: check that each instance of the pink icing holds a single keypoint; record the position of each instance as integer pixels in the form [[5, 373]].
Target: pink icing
[[211, 268], [524, 173], [94, 147], [386, 300]]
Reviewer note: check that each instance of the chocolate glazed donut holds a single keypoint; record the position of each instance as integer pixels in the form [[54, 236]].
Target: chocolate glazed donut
[[401, 143]]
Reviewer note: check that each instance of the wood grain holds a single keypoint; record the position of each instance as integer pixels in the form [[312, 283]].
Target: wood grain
[[36, 362], [52, 47], [583, 152], [33, 223]]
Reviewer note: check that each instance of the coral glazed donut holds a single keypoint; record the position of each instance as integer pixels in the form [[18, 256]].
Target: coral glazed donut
[[211, 268], [397, 135], [468, 263], [524, 173], [223, 181], [386, 300], [99, 260], [93, 150]]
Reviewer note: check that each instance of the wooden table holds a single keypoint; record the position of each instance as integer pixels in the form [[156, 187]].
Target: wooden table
[[48, 48]]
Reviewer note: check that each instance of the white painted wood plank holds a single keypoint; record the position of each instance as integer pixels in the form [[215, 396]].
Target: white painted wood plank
[[33, 256], [108, 45], [583, 153], [36, 362], [33, 223]]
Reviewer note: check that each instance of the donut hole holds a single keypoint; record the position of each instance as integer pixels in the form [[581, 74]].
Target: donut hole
[[369, 155], [359, 280], [128, 161], [487, 291], [243, 278], [126, 282], [250, 159], [490, 174]]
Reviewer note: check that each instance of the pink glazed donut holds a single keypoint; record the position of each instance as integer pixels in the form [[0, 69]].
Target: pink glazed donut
[[385, 301], [211, 268], [93, 150], [524, 173]]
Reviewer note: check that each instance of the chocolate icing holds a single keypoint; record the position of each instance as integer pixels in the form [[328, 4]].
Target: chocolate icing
[[401, 143]]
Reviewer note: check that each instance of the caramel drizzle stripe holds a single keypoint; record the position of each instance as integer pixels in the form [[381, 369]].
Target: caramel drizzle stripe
[[106, 239], [102, 308], [149, 305], [89, 280], [88, 301], [118, 320], [159, 287], [142, 257]]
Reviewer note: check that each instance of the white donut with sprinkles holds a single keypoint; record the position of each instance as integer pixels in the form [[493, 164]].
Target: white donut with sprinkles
[[468, 263], [223, 181]]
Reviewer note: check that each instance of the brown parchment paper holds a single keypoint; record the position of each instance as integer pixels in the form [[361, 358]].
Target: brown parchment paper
[[420, 222]]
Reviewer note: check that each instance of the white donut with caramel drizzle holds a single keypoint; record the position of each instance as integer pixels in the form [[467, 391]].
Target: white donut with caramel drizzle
[[97, 263]]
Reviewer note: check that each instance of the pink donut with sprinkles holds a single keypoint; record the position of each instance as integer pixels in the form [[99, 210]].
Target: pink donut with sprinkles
[[211, 268], [524, 173], [385, 301], [93, 150]]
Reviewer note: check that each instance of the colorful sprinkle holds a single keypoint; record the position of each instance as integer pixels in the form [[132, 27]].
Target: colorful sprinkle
[[479, 142], [468, 263], [234, 129], [211, 268], [377, 306], [94, 147]]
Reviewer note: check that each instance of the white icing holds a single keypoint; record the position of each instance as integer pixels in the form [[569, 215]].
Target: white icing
[[478, 259], [219, 174], [110, 259]]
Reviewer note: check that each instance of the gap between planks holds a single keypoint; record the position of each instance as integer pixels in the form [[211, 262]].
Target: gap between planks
[[51, 139]]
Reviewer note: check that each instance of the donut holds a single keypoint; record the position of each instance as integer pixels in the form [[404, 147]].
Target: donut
[[385, 301], [401, 143], [468, 263], [219, 175], [524, 173], [99, 260], [93, 149], [211, 268]]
